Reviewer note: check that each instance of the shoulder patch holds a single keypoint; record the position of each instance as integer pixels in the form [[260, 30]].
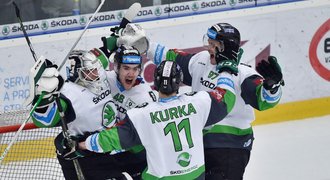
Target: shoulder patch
[[218, 94]]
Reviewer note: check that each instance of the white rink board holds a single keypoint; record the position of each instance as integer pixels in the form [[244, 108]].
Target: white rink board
[[287, 29]]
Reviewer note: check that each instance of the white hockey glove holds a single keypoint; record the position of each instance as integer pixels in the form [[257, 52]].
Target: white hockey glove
[[50, 81], [134, 35]]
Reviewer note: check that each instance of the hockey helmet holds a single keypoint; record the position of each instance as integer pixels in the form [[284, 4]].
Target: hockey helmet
[[167, 77], [127, 55], [224, 32], [88, 69]]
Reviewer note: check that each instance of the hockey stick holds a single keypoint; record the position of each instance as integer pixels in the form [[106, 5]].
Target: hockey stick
[[21, 127], [82, 33], [24, 32], [130, 14], [128, 17], [66, 135]]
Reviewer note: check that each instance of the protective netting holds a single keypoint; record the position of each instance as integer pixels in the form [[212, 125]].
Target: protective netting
[[33, 155]]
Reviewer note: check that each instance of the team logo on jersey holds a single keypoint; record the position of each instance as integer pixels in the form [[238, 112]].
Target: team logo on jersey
[[109, 114], [184, 159], [218, 94]]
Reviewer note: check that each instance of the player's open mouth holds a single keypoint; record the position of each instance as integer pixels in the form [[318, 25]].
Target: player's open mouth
[[129, 81], [212, 56]]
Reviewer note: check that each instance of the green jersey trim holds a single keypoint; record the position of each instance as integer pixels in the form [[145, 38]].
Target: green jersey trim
[[192, 175], [228, 130], [264, 105], [109, 140]]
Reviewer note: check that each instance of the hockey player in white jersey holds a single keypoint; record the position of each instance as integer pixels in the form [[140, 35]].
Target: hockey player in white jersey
[[87, 101], [229, 142], [171, 129]]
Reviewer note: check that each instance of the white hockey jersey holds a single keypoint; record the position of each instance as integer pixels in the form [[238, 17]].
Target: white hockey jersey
[[87, 113], [128, 99], [170, 131], [235, 131]]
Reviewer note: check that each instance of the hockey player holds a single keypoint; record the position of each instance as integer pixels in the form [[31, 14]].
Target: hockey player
[[171, 129], [229, 142], [86, 98]]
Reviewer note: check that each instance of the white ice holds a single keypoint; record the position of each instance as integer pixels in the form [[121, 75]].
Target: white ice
[[292, 150]]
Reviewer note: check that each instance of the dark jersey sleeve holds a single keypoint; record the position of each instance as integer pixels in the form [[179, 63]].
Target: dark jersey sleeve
[[258, 97], [222, 102], [127, 134], [183, 61], [249, 90]]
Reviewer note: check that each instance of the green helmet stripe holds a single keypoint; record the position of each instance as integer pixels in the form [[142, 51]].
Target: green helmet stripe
[[103, 59]]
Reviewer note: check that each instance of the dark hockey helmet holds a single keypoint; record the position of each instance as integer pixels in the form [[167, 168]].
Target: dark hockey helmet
[[167, 77], [224, 32], [127, 55]]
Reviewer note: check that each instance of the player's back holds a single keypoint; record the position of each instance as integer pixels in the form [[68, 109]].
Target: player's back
[[171, 132]]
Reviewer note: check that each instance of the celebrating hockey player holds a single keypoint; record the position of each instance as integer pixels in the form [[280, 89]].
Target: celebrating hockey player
[[89, 99], [171, 129], [229, 142]]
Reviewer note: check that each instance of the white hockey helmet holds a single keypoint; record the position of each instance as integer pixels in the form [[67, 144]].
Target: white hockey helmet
[[88, 69]]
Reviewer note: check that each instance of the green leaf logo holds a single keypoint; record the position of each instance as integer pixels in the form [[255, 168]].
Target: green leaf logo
[[109, 114], [184, 159]]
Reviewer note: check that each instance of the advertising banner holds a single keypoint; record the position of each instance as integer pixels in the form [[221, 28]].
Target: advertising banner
[[298, 37]]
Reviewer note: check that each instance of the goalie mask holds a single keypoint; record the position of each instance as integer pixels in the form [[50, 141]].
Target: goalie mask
[[167, 77], [87, 68]]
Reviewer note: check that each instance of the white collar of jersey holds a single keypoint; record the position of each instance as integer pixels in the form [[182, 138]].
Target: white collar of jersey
[[164, 100]]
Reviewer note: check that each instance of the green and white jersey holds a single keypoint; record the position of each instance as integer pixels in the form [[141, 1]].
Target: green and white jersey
[[85, 111], [128, 99], [171, 132], [235, 131], [250, 94]]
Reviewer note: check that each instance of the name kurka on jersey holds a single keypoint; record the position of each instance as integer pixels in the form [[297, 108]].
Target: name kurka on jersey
[[172, 113]]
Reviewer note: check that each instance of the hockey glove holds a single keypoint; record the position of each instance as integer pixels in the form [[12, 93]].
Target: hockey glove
[[110, 43], [134, 35], [225, 64], [171, 55], [67, 148], [50, 82], [271, 71]]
